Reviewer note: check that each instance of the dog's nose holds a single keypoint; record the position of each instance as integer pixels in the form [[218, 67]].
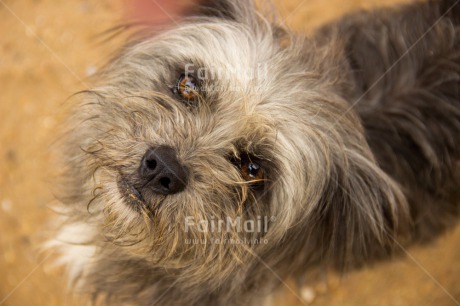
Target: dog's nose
[[161, 171]]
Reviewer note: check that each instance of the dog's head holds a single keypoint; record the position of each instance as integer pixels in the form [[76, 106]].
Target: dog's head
[[228, 127]]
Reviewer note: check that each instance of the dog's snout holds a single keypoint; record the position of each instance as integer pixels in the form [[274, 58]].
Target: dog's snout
[[162, 172]]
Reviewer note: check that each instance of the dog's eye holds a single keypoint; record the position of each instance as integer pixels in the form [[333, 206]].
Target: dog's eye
[[251, 171], [187, 88]]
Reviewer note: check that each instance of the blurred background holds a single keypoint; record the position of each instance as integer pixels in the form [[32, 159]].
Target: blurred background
[[48, 50]]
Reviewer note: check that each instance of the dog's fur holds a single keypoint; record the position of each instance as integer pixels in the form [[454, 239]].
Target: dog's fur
[[357, 128]]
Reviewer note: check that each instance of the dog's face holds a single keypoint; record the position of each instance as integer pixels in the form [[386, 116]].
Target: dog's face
[[220, 119]]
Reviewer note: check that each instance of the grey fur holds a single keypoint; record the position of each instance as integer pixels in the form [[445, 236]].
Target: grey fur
[[357, 128]]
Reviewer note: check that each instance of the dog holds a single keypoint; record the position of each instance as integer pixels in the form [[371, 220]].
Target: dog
[[215, 159]]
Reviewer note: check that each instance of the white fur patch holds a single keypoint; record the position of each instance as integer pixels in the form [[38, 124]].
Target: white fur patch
[[74, 249]]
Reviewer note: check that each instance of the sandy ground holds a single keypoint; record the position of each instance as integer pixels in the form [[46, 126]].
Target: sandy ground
[[47, 50]]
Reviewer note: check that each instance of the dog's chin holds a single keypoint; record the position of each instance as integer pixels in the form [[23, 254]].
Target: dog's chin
[[131, 195]]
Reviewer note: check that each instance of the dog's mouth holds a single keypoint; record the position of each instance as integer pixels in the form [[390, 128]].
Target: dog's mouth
[[131, 195]]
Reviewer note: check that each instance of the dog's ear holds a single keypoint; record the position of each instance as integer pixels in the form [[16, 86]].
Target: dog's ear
[[363, 214], [234, 10], [168, 12]]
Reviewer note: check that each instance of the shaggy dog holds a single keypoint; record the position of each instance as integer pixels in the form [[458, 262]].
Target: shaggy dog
[[219, 157]]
